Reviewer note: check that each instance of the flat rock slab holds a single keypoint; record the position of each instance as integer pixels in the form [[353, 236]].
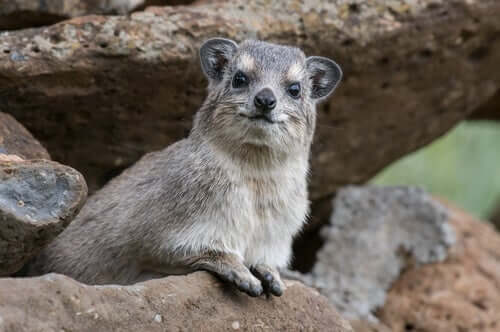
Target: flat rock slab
[[397, 260], [15, 139], [38, 199], [197, 302], [100, 91]]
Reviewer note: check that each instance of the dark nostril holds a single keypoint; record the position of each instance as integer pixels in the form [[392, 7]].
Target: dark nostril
[[271, 103], [258, 102]]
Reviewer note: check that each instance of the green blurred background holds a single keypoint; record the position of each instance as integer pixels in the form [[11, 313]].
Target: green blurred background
[[463, 166]]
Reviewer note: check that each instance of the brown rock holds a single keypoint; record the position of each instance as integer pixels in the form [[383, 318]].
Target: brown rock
[[15, 139], [38, 199], [197, 302], [17, 14], [99, 92], [460, 294]]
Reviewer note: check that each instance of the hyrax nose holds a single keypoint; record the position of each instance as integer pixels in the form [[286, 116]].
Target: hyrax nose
[[265, 100]]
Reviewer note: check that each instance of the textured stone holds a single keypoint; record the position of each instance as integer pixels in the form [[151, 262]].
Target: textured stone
[[99, 92], [433, 283], [374, 234], [197, 302], [460, 294], [16, 14], [37, 201], [16, 140]]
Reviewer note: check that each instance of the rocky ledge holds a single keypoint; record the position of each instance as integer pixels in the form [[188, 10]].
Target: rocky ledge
[[197, 302]]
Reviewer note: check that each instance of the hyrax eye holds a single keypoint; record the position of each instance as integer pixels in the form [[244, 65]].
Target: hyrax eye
[[240, 80], [294, 90]]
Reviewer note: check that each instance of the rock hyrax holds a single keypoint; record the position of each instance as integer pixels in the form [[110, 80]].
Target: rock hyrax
[[227, 199]]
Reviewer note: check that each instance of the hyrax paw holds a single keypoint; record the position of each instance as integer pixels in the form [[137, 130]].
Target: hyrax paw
[[270, 279], [246, 283]]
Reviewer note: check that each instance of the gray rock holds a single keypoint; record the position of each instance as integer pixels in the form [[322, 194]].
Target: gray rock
[[38, 199], [374, 234]]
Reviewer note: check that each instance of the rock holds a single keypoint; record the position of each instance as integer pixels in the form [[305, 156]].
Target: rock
[[17, 14], [100, 92], [15, 139], [460, 294], [374, 234], [38, 199], [197, 302], [397, 260]]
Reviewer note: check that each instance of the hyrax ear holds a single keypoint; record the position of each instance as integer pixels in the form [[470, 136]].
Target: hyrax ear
[[325, 75], [215, 54]]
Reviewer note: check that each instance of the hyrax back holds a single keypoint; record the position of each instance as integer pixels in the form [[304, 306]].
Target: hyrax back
[[229, 198]]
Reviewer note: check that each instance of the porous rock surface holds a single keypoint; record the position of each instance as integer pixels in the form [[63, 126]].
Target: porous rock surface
[[16, 14], [373, 235], [16, 140], [100, 91], [460, 294], [397, 260], [197, 302], [38, 199]]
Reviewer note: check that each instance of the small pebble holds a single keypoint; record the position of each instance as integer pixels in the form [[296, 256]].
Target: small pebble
[[158, 318], [235, 325]]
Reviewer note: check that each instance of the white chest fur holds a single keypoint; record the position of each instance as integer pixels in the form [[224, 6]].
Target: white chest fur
[[256, 218], [268, 212]]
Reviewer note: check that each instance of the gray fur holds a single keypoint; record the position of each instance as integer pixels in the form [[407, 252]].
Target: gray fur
[[228, 198]]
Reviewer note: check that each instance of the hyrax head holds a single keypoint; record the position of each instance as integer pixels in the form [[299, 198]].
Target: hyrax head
[[262, 93]]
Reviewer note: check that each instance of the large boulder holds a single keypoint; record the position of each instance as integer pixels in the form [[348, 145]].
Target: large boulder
[[197, 302], [38, 199], [17, 14], [99, 91], [395, 259]]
